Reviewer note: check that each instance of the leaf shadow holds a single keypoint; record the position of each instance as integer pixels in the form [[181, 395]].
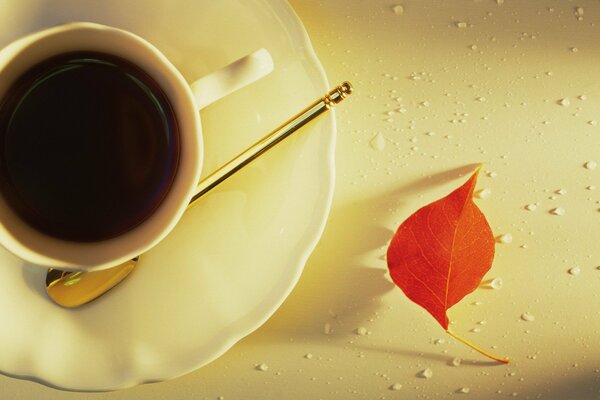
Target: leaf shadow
[[446, 359], [346, 276]]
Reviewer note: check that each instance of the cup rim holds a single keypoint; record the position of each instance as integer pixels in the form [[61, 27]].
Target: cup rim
[[39, 248]]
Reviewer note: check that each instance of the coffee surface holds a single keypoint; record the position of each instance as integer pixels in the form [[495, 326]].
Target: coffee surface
[[89, 146]]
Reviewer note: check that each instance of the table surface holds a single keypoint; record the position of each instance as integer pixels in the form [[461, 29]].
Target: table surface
[[440, 87]]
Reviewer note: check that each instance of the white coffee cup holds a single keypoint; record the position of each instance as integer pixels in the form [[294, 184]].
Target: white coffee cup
[[41, 249]]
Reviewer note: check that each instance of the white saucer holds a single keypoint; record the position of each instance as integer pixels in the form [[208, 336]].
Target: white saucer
[[235, 257]]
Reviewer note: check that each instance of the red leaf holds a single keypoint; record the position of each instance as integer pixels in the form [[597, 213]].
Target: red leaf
[[442, 251]]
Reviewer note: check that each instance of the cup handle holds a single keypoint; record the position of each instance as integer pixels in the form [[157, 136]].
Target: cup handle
[[232, 77]]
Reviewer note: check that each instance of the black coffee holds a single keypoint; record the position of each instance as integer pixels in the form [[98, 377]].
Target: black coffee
[[89, 146]]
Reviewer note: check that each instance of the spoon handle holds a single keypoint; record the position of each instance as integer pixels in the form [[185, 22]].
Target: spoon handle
[[323, 104], [73, 289]]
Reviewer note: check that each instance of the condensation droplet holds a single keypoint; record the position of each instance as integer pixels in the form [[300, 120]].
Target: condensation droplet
[[308, 356], [464, 390], [504, 239], [262, 367], [377, 142], [456, 361], [590, 165], [396, 386], [496, 283], [361, 331], [527, 317], [564, 102], [461, 24], [327, 329], [574, 271], [483, 193], [558, 211], [426, 373], [561, 191], [398, 9], [592, 122], [531, 207]]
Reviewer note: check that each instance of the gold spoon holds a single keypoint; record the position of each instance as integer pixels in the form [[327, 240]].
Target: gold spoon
[[75, 288]]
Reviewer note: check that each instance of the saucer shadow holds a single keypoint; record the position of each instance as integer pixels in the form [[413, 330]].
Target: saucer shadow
[[346, 276]]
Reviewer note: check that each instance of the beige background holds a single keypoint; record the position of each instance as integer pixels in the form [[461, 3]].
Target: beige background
[[442, 97]]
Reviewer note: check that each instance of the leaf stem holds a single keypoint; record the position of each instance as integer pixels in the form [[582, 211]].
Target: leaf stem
[[478, 349]]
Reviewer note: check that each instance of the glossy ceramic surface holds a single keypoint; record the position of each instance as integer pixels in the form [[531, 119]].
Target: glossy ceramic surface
[[234, 258]]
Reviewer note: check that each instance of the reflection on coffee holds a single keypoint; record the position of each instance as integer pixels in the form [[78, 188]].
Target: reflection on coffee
[[89, 146]]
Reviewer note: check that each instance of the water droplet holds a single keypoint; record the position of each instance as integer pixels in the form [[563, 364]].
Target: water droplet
[[564, 102], [476, 330], [361, 331], [590, 165], [531, 207], [456, 361], [262, 367], [574, 271], [464, 390], [558, 211], [527, 317], [574, 49], [221, 398], [398, 9], [461, 24], [377, 142], [426, 373], [496, 283], [591, 187], [483, 193], [308, 356], [582, 97], [504, 239], [327, 329], [439, 341], [561, 191], [579, 11], [481, 99], [396, 386], [482, 322], [592, 122]]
